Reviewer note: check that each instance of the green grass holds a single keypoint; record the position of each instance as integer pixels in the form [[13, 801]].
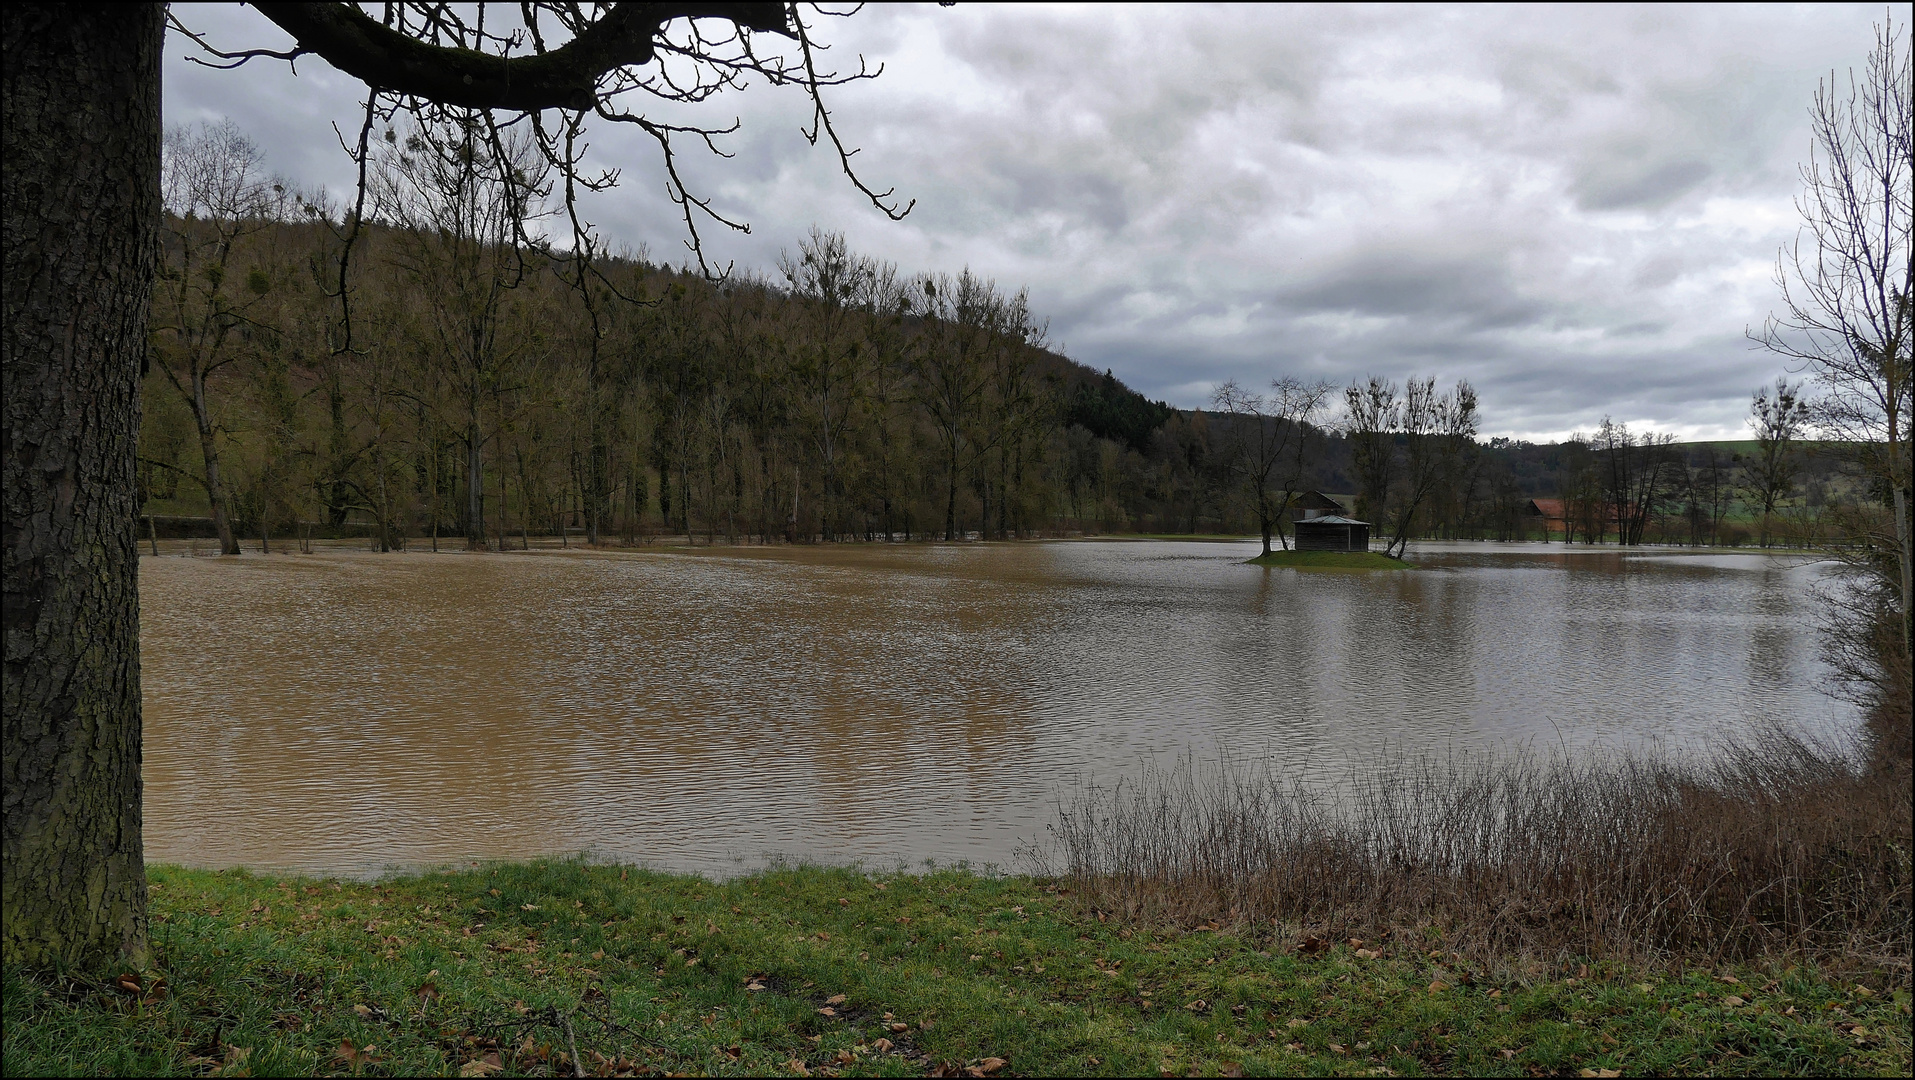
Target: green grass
[[1332, 560], [512, 965]]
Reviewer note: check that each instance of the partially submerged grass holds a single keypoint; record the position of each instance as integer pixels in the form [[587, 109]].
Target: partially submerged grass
[[556, 967], [1772, 849], [1332, 560]]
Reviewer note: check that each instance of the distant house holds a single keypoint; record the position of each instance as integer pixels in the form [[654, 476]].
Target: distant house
[[1313, 504], [1551, 513], [1332, 532]]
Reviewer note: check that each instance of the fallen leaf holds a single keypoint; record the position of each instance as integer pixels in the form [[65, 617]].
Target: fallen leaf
[[235, 1063], [1507, 1053], [1600, 1072], [1294, 1024], [798, 1067], [835, 999], [883, 1046], [1366, 954], [362, 1010], [428, 989], [1645, 988], [900, 1027], [1732, 980], [1733, 1001], [482, 1066], [1312, 944], [355, 1056], [822, 936], [1356, 943], [991, 1064], [827, 1011], [1338, 1048], [1439, 986]]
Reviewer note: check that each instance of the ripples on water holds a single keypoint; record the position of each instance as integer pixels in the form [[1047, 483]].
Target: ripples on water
[[347, 711]]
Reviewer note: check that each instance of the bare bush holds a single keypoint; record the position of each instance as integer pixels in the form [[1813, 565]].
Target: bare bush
[[1773, 847]]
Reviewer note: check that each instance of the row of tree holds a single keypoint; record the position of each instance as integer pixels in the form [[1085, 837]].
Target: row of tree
[[481, 384], [458, 378]]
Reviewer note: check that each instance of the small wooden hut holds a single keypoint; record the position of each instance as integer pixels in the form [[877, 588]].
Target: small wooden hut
[[1333, 532]]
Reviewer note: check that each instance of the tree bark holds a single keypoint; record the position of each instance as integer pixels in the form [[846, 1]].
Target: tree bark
[[82, 212]]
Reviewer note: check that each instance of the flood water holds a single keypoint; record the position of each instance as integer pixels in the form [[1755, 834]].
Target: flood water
[[348, 712]]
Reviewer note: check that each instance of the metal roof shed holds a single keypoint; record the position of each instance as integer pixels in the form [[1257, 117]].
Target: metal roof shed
[[1333, 532]]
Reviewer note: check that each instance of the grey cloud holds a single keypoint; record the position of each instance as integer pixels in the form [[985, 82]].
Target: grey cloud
[[1623, 179], [1562, 204]]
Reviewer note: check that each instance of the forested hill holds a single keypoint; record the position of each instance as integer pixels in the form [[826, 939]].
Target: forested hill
[[467, 387]]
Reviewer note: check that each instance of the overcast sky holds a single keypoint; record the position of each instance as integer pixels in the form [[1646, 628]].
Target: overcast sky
[[1576, 209]]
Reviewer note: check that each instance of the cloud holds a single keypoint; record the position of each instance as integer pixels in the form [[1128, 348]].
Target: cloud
[[1575, 208]]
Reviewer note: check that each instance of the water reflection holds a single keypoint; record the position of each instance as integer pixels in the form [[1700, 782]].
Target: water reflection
[[344, 712]]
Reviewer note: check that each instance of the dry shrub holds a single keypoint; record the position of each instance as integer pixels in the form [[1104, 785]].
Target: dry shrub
[[1774, 847]]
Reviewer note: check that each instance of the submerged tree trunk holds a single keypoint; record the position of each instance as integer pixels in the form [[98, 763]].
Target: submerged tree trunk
[[215, 485], [474, 487], [82, 212]]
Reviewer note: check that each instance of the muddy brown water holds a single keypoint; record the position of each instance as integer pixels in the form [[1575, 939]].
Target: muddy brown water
[[348, 712]]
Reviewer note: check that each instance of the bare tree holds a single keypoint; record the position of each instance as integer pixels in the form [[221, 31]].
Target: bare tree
[[1439, 441], [828, 356], [217, 195], [1637, 471], [1849, 279], [968, 321], [1256, 445], [1372, 415], [1778, 417], [458, 233], [1270, 444]]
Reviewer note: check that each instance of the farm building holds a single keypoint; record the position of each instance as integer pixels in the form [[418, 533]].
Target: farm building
[[1333, 532]]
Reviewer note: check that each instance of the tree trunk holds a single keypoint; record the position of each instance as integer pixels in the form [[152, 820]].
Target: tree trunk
[[82, 213], [474, 486], [215, 486]]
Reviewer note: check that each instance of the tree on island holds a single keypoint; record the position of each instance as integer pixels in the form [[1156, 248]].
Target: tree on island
[[82, 136]]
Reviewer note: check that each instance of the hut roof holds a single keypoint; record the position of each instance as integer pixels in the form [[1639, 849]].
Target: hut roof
[[1315, 500], [1332, 519]]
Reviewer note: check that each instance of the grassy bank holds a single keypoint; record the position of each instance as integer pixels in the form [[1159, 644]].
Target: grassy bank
[[520, 969], [1332, 560]]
